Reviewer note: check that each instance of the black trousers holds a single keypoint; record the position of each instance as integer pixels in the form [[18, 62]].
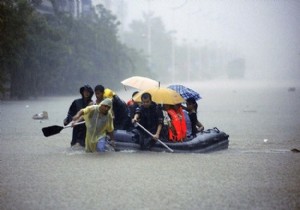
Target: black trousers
[[78, 135], [145, 140]]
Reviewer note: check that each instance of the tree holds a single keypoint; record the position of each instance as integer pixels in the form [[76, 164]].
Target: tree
[[55, 54], [14, 17]]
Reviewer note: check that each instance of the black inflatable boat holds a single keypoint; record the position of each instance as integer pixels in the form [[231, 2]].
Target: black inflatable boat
[[207, 141]]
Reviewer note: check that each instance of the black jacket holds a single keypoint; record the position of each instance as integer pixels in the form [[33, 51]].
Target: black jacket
[[79, 131], [150, 117], [121, 114]]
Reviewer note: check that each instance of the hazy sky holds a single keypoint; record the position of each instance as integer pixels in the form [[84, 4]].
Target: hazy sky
[[266, 32]]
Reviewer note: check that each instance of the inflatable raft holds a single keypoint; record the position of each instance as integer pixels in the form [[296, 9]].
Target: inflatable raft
[[207, 141]]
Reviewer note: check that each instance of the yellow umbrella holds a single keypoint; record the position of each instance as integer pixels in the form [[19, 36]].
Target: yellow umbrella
[[141, 83], [161, 95]]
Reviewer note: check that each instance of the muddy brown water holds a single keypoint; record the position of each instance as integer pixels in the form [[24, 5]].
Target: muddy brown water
[[257, 171]]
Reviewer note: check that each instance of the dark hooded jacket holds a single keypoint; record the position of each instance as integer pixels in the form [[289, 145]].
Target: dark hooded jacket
[[80, 103], [121, 114]]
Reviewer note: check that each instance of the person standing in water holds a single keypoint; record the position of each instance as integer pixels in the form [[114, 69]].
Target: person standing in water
[[99, 123], [78, 134]]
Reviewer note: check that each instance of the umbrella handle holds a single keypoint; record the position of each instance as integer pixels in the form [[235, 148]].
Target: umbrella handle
[[166, 146]]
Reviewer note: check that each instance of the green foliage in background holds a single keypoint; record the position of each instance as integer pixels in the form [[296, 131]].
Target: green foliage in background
[[56, 54]]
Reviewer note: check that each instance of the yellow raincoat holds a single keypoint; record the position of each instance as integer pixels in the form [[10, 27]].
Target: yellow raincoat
[[97, 125]]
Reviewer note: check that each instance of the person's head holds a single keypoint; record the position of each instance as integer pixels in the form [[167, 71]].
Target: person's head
[[105, 106], [177, 106], [131, 101], [191, 104], [99, 92], [146, 99], [134, 93], [166, 107], [86, 91]]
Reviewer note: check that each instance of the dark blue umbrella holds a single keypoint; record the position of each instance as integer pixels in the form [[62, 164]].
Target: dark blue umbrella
[[185, 92]]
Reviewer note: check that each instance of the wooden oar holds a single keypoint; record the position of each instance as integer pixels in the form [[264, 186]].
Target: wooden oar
[[166, 146], [55, 129]]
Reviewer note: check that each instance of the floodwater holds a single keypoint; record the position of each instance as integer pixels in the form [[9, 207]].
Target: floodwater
[[257, 171]]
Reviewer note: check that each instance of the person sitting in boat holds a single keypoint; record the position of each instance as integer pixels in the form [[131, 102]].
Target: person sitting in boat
[[78, 135], [119, 110], [188, 123], [99, 92], [178, 133], [131, 101], [150, 116], [191, 107], [132, 105], [99, 123], [167, 125]]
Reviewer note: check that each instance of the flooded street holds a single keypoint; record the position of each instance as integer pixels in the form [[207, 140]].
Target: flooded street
[[258, 171]]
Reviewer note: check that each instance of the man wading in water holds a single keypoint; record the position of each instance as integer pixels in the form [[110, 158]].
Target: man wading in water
[[78, 135], [99, 124]]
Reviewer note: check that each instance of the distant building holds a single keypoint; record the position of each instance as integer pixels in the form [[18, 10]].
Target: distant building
[[76, 8]]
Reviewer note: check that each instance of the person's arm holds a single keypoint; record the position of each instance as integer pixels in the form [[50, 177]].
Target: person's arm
[[135, 118], [78, 117], [158, 130], [71, 112], [136, 115], [112, 138], [160, 123], [110, 130], [200, 127]]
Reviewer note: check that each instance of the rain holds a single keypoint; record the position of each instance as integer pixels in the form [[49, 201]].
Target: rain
[[239, 58], [263, 33]]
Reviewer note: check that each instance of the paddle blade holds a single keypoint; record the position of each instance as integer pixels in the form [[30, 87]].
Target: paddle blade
[[52, 130]]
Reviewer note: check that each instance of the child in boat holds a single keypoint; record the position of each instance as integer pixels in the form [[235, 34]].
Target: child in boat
[[192, 109]]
